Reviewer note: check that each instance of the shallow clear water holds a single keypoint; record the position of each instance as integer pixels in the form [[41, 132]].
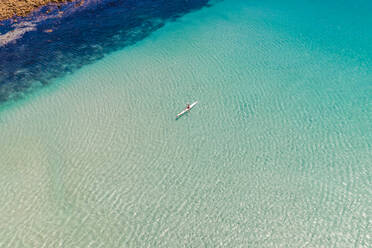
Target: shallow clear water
[[277, 153]]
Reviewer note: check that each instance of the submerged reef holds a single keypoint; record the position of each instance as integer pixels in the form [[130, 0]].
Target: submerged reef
[[59, 38]]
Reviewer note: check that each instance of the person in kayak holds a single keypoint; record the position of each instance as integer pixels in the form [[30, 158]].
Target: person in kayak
[[188, 106]]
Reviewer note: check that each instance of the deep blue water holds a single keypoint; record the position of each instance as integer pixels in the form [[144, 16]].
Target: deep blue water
[[82, 35]]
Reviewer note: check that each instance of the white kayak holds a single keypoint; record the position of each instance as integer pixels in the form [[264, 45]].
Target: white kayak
[[186, 110]]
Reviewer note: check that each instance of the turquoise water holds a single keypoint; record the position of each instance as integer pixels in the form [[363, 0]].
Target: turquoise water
[[276, 154]]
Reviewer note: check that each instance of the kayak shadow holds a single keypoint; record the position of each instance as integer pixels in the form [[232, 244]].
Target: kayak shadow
[[179, 117]]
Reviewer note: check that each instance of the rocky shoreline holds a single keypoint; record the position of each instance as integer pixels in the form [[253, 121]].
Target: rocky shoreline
[[13, 8]]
